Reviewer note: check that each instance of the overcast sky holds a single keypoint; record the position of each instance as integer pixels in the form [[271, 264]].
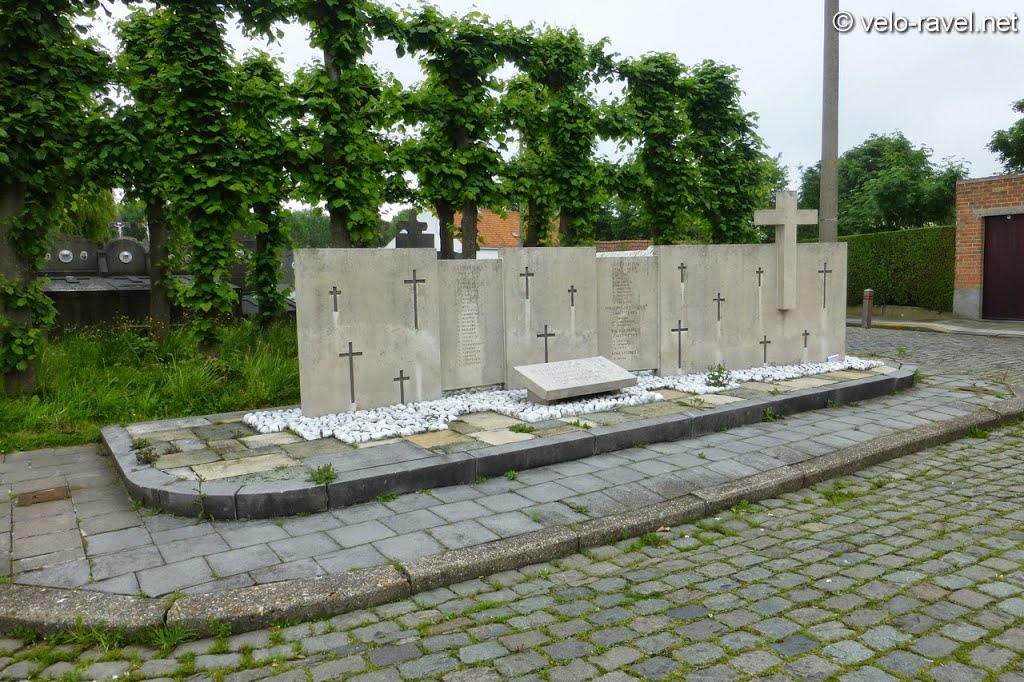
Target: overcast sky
[[949, 92]]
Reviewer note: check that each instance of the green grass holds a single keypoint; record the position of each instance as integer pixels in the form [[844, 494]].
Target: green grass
[[647, 540], [387, 497], [117, 374], [522, 428], [769, 415], [511, 474], [324, 474], [977, 432]]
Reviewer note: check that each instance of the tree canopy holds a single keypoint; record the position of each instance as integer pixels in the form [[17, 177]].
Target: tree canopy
[[1008, 144], [887, 183]]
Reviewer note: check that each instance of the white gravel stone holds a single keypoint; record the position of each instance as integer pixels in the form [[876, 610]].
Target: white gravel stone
[[433, 415]]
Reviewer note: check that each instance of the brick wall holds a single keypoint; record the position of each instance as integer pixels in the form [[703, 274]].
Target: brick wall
[[1001, 191]]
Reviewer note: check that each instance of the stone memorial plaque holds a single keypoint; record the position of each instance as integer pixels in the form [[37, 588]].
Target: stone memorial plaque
[[126, 256], [715, 306], [472, 323], [820, 303], [550, 305], [547, 382], [627, 311], [369, 328]]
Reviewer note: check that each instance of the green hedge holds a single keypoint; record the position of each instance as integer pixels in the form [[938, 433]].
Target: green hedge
[[906, 267]]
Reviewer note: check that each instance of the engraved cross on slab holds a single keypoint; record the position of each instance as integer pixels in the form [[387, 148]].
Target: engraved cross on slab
[[824, 272], [527, 274], [785, 217], [546, 335], [682, 273], [764, 344], [415, 299], [335, 293], [719, 300], [679, 329], [401, 379], [572, 295], [805, 335], [759, 272], [351, 355]]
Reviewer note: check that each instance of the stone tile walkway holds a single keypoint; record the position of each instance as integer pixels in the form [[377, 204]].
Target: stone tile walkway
[[100, 540], [910, 570]]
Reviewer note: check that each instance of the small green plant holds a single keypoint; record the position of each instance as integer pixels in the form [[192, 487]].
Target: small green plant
[[838, 494], [830, 403], [695, 401], [741, 507], [481, 480], [522, 428], [579, 424], [901, 352], [166, 637], [701, 455], [511, 474], [146, 455], [150, 511], [647, 540], [718, 376], [25, 634], [769, 415], [324, 474], [92, 636], [977, 432], [387, 497], [218, 629], [535, 517], [140, 443], [578, 508]]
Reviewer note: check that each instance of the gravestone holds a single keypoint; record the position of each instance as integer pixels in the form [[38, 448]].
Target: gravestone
[[369, 328], [627, 314], [126, 256], [550, 382], [411, 235], [472, 323], [550, 305], [72, 255], [821, 285]]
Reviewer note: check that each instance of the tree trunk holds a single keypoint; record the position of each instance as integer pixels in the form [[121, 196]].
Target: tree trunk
[[444, 218], [159, 286], [340, 237], [565, 235], [469, 231], [12, 267], [534, 222]]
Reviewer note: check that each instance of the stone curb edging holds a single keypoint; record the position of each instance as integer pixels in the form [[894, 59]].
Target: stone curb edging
[[48, 610], [413, 468]]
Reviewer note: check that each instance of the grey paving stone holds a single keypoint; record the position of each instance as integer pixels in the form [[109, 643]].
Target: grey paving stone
[[345, 560], [361, 533], [462, 534], [303, 546], [118, 540], [408, 546], [174, 577]]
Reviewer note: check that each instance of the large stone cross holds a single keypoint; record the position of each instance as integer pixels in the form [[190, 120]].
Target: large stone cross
[[785, 217]]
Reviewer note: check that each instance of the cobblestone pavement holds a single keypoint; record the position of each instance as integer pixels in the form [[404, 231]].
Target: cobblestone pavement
[[911, 570], [991, 358], [100, 540]]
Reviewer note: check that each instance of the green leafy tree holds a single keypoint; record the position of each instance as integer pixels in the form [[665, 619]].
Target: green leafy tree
[[49, 78], [886, 183], [131, 216], [456, 154], [733, 168], [348, 108], [664, 178], [310, 228], [557, 121], [264, 109], [1008, 144], [201, 176], [150, 137], [90, 214]]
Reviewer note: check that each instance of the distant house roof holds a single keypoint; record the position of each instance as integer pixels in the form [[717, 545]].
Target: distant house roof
[[493, 231], [623, 245]]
